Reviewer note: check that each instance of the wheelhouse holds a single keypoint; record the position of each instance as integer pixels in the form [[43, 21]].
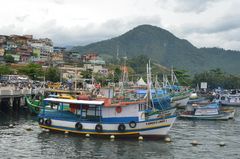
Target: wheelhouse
[[68, 109]]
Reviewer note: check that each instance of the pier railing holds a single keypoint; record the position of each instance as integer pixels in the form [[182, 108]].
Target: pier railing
[[21, 92]]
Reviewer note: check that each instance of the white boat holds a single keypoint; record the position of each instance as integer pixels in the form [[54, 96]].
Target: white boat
[[229, 100], [208, 112], [104, 118], [180, 102]]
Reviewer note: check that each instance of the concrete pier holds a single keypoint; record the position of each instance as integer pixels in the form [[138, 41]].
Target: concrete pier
[[12, 98]]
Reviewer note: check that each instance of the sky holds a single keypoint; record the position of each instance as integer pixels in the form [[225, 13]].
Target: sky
[[204, 23]]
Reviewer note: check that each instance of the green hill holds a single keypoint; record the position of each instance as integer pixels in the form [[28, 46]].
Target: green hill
[[166, 49]]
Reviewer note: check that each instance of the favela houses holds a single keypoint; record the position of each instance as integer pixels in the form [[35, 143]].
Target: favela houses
[[119, 79]]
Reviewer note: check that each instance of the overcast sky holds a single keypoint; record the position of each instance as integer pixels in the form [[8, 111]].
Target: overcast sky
[[205, 23]]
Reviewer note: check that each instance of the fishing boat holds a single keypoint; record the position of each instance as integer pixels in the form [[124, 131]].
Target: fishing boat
[[179, 94], [106, 117], [121, 116], [34, 104], [229, 100], [194, 98], [180, 99], [211, 111]]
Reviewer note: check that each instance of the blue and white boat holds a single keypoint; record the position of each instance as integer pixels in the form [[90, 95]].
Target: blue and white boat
[[229, 100], [106, 117], [211, 111]]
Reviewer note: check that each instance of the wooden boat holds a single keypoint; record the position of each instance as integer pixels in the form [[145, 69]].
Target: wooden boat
[[106, 117], [196, 100], [180, 100], [34, 105], [207, 112], [229, 100]]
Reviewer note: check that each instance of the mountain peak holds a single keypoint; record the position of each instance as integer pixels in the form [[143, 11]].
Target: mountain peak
[[164, 48]]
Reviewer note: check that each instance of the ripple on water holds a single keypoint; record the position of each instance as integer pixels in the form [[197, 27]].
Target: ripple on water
[[17, 142]]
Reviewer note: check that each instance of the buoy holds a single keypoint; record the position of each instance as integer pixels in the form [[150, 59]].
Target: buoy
[[10, 126], [140, 138], [167, 139], [194, 143], [66, 132], [45, 130], [29, 129], [87, 135], [222, 144], [112, 137]]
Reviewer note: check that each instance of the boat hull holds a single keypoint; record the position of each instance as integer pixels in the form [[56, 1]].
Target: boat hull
[[237, 104], [150, 128], [33, 107], [181, 103], [224, 116], [197, 100]]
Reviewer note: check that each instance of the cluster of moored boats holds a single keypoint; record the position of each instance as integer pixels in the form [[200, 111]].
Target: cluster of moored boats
[[148, 111]]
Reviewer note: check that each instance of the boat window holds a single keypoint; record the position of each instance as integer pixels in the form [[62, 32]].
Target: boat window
[[222, 98], [142, 106]]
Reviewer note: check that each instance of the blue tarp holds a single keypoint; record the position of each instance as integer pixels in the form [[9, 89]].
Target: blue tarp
[[159, 92], [173, 87]]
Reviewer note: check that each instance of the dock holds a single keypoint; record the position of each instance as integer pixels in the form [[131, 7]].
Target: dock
[[12, 98]]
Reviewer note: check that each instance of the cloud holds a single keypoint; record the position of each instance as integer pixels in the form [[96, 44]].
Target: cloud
[[78, 22], [21, 18], [196, 6], [222, 24], [59, 2], [91, 32]]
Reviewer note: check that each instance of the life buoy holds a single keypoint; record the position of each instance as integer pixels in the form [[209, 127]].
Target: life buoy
[[98, 128], [118, 109], [48, 122], [41, 121], [78, 126], [132, 124], [121, 127]]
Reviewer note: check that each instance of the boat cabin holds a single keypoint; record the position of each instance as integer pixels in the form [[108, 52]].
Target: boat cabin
[[101, 110], [211, 109]]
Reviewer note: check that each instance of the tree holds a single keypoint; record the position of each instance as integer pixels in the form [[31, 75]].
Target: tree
[[9, 58], [52, 74], [138, 63], [117, 74], [34, 71], [5, 70], [217, 78], [87, 73], [183, 77]]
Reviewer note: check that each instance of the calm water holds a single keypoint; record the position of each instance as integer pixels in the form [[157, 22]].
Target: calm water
[[17, 142]]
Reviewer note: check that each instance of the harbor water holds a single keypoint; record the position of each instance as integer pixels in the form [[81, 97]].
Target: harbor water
[[22, 142]]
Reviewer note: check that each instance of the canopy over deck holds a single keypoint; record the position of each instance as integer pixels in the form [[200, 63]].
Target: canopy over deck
[[71, 101]]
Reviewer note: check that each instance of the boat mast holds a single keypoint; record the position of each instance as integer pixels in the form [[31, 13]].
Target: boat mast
[[172, 80], [124, 76], [149, 84], [173, 77]]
